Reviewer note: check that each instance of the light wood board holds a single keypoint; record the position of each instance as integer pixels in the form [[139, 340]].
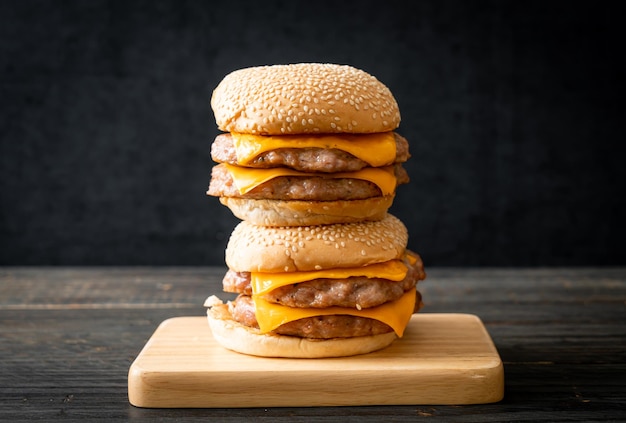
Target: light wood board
[[442, 359]]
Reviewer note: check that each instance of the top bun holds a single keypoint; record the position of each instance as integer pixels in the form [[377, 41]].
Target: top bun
[[304, 98], [304, 248]]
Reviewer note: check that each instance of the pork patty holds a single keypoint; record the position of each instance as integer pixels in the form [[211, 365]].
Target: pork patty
[[354, 292], [317, 327], [302, 159], [305, 188]]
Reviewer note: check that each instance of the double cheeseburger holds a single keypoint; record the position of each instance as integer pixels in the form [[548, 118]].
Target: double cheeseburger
[[310, 161], [306, 144], [316, 291]]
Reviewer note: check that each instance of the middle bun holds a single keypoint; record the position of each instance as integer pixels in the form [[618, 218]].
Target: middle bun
[[306, 213], [304, 248]]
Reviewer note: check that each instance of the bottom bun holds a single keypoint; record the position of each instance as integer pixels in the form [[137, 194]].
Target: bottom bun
[[307, 213], [242, 339]]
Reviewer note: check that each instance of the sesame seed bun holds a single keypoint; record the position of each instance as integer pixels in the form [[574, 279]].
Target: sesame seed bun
[[253, 248], [299, 213], [303, 98], [246, 340]]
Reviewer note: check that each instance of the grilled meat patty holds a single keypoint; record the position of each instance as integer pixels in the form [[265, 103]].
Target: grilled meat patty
[[317, 327], [302, 159], [307, 188], [354, 292]]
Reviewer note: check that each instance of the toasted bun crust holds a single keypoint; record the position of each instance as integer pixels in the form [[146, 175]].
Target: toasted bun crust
[[307, 213], [237, 337], [253, 248], [303, 98]]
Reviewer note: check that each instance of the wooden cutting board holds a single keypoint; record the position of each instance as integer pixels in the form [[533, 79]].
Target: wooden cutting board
[[442, 359]]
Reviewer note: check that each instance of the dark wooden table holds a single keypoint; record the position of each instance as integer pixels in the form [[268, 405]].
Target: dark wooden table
[[69, 335]]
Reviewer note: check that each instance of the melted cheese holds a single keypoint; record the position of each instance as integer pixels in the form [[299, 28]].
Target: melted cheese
[[263, 283], [246, 178], [396, 313], [374, 149], [411, 258]]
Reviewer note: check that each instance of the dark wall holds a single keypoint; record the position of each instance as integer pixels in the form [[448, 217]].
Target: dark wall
[[514, 111]]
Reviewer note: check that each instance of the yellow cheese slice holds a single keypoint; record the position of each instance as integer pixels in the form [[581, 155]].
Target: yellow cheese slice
[[374, 149], [262, 283], [246, 178], [396, 313]]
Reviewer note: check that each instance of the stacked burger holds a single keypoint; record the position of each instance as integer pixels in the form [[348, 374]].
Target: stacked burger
[[310, 162]]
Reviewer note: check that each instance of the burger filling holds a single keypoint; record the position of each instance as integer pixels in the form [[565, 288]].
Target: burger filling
[[318, 327], [353, 292], [302, 159], [309, 188]]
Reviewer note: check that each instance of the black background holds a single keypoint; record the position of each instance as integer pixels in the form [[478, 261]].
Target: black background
[[514, 111]]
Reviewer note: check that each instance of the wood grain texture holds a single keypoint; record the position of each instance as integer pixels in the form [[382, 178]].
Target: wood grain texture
[[442, 359], [69, 335]]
